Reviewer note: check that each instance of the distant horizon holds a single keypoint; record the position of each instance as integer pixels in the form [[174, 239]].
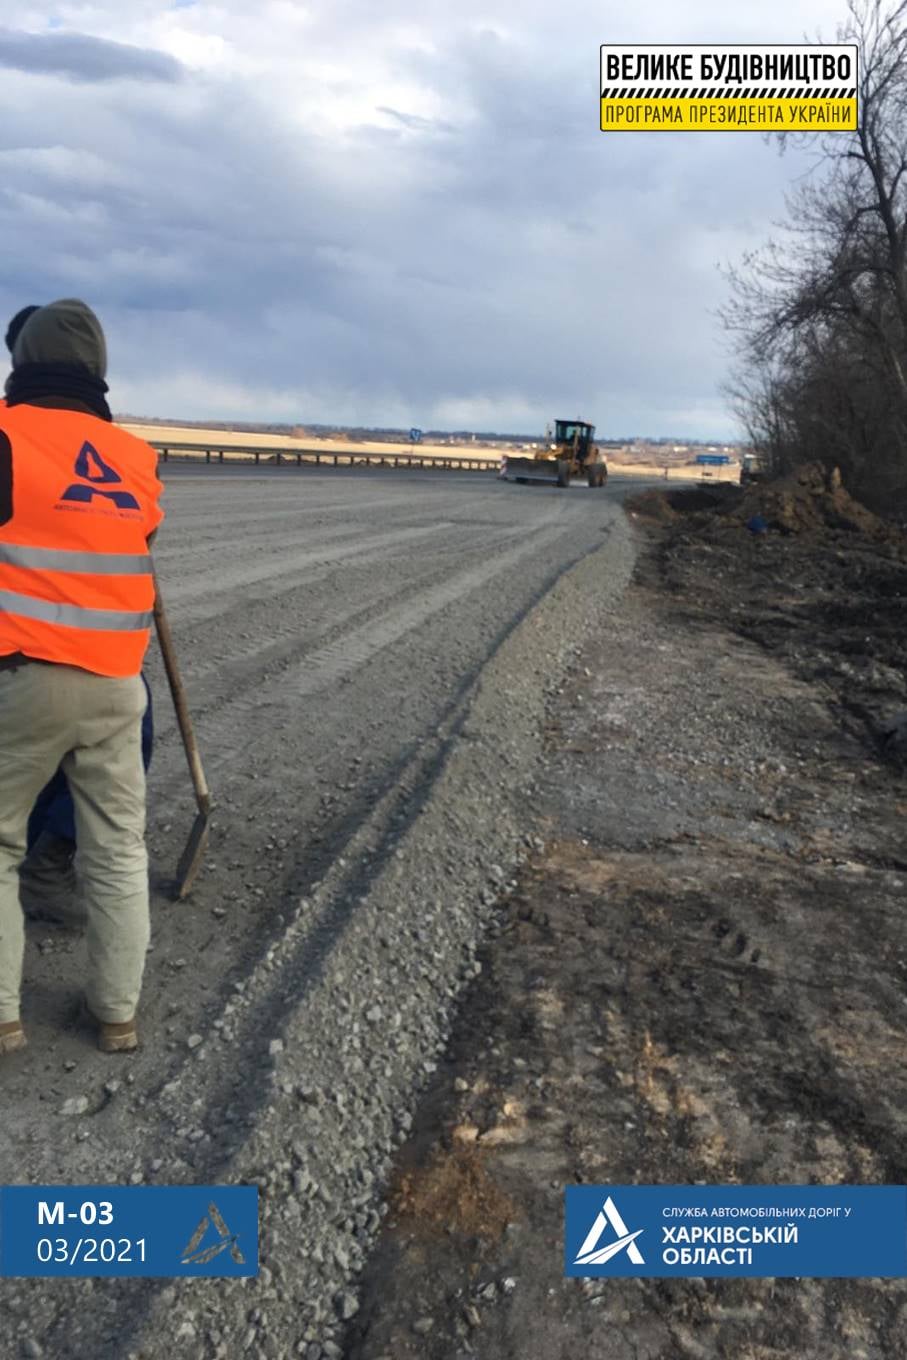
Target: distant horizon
[[287, 426]]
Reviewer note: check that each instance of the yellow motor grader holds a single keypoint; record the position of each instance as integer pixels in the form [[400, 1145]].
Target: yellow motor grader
[[570, 454]]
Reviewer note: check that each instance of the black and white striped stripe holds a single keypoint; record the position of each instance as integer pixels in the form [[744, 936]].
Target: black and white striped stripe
[[727, 92]]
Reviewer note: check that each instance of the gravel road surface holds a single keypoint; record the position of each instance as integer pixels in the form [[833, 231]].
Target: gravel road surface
[[368, 657]]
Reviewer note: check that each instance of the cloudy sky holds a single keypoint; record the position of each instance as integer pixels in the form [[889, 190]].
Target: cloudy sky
[[381, 214]]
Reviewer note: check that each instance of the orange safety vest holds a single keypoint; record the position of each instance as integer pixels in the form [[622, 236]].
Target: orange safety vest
[[76, 584]]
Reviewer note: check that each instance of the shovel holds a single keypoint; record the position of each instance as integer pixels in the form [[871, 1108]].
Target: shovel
[[191, 858]]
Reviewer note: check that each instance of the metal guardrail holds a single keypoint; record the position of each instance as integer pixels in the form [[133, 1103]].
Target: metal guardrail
[[214, 453]]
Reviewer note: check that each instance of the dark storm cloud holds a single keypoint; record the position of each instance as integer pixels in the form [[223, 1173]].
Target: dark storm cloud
[[83, 58], [466, 250]]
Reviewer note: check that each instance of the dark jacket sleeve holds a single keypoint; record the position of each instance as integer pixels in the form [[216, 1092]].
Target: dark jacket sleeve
[[6, 478]]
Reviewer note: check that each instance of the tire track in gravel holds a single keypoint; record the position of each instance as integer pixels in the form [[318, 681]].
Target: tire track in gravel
[[276, 544], [291, 519], [312, 672], [224, 673], [295, 567], [311, 519]]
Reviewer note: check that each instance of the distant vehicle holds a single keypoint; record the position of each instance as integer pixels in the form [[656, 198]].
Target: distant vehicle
[[570, 454], [751, 469]]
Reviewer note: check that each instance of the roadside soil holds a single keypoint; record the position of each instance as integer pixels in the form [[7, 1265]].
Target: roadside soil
[[700, 975]]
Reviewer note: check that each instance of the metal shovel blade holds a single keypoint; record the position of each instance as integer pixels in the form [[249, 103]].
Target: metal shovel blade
[[191, 858]]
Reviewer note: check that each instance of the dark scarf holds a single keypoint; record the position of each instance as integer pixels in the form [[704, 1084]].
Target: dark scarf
[[57, 384]]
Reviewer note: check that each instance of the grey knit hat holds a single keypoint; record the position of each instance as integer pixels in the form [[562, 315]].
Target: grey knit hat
[[64, 332]]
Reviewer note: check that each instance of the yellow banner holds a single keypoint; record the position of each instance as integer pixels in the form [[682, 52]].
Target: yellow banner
[[728, 115]]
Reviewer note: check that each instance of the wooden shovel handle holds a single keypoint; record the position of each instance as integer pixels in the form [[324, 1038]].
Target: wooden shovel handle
[[187, 732]]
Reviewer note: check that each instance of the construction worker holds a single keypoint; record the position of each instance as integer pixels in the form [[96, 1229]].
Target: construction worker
[[79, 500], [47, 877]]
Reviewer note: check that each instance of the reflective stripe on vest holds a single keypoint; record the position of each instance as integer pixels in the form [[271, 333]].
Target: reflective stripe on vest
[[73, 615], [65, 559]]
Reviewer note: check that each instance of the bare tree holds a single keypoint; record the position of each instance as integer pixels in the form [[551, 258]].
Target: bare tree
[[820, 316]]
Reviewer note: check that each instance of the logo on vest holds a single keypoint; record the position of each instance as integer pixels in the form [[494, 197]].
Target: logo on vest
[[97, 474]]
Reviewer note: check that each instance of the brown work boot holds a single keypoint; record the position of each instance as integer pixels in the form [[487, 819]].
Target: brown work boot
[[47, 882], [12, 1036], [122, 1038], [118, 1038], [113, 1037]]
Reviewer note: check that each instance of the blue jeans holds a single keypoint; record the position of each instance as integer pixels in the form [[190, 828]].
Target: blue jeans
[[53, 810]]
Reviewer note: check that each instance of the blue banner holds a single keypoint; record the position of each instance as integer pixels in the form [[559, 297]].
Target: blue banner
[[746, 1230], [164, 1230]]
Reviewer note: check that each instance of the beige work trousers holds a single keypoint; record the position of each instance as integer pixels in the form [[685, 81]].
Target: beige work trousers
[[52, 716]]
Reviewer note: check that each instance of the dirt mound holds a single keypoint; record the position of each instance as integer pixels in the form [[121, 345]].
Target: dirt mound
[[809, 499], [692, 500], [652, 505], [665, 506]]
